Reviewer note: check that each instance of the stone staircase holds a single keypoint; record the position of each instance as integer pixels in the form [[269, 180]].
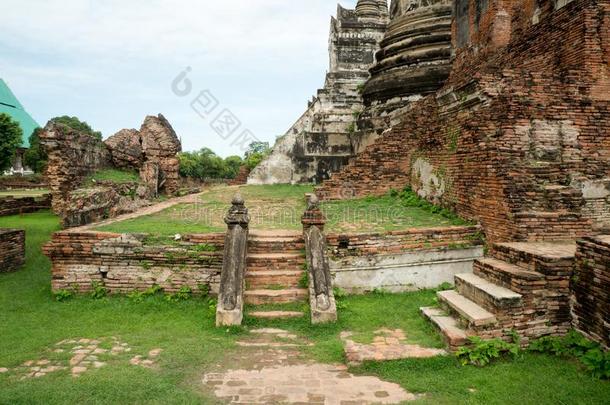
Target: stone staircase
[[521, 287], [275, 267]]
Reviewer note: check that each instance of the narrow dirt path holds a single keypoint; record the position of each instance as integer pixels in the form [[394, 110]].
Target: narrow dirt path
[[152, 209]]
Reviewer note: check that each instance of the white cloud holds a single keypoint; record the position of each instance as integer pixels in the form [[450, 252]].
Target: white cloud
[[111, 61]]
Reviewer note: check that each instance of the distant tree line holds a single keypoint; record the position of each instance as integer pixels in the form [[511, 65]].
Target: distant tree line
[[202, 164], [205, 164]]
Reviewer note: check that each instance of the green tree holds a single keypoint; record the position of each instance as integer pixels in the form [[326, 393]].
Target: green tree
[[257, 151], [35, 157], [205, 164], [232, 166], [10, 139], [78, 125]]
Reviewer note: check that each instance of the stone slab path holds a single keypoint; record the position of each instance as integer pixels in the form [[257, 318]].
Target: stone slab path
[[275, 372], [81, 355], [387, 345]]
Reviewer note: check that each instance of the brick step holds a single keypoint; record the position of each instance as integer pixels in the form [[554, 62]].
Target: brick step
[[261, 279], [261, 297], [447, 325], [270, 261], [488, 295], [276, 314], [471, 314], [548, 258], [275, 247], [508, 275]]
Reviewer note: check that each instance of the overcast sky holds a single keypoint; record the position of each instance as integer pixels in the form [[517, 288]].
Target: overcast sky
[[112, 62]]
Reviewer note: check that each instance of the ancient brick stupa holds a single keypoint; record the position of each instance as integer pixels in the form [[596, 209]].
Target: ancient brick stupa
[[414, 60]]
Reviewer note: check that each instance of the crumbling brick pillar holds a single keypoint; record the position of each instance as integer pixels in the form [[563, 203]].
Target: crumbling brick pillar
[[12, 250]]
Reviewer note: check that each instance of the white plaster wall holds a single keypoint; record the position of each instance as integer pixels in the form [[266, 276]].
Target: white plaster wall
[[403, 272]]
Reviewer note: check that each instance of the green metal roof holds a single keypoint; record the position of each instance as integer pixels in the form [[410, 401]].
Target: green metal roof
[[11, 106]]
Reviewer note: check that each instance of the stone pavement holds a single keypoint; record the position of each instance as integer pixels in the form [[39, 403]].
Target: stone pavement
[[81, 355], [387, 345], [275, 372]]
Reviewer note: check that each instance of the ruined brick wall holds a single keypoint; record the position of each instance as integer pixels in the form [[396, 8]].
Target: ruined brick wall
[[23, 205], [591, 289], [124, 263], [241, 178], [517, 139], [152, 151], [12, 250], [363, 244], [72, 156], [105, 200]]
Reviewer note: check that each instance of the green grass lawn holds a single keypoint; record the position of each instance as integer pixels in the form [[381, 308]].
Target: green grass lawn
[[114, 175], [24, 193], [32, 321], [281, 207]]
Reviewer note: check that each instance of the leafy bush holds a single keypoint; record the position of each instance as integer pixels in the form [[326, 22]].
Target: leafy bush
[[10, 139], [590, 354], [63, 295], [184, 294], [98, 291], [77, 125], [138, 296], [482, 352]]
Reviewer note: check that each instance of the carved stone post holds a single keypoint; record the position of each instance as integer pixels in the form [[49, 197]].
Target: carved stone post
[[321, 296], [232, 282]]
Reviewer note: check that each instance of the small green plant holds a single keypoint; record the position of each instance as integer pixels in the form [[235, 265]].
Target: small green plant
[[204, 290], [481, 352], [205, 247], [184, 294], [146, 265], [139, 296], [590, 354], [304, 281], [98, 291], [444, 287], [339, 293], [63, 295]]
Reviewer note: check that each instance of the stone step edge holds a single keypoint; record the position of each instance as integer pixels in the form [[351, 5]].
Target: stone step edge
[[513, 270], [278, 293], [276, 314], [447, 325], [473, 313], [273, 273], [499, 295], [259, 256]]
